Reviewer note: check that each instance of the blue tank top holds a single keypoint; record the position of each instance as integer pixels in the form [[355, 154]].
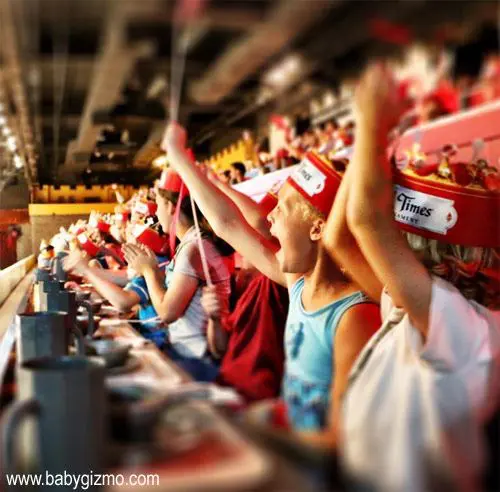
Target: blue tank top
[[150, 330], [309, 340]]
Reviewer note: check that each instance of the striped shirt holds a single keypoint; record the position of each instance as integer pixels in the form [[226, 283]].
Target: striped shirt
[[187, 335]]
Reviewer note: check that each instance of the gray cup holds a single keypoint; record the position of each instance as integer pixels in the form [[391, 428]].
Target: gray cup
[[66, 396], [57, 267], [42, 334], [55, 298], [43, 274]]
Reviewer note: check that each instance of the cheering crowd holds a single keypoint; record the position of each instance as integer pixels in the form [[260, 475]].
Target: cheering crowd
[[448, 96], [349, 309]]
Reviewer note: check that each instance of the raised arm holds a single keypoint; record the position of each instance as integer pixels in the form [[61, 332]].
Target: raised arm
[[248, 208], [223, 215], [341, 245], [370, 212]]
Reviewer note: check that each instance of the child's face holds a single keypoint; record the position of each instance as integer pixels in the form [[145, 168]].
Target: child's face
[[293, 231], [164, 212]]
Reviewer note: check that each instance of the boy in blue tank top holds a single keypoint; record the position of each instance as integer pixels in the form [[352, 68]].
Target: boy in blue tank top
[[329, 320], [150, 328]]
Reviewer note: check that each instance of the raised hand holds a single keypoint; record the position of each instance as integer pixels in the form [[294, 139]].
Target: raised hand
[[174, 138], [377, 102]]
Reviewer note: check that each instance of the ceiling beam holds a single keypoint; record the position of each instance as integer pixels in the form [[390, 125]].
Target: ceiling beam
[[111, 70], [284, 23]]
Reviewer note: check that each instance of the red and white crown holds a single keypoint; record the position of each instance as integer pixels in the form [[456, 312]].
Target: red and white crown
[[87, 244], [448, 193], [147, 208], [317, 181], [171, 181], [152, 239]]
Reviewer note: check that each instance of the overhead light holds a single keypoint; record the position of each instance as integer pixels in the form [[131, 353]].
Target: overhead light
[[3, 120], [6, 131], [111, 155], [18, 162], [160, 161], [88, 170], [285, 73]]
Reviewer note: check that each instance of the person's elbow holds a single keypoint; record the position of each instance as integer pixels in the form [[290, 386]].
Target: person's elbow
[[168, 315], [123, 305], [224, 223], [125, 301]]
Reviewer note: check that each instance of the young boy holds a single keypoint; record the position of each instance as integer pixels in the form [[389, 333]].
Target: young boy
[[425, 384], [329, 320]]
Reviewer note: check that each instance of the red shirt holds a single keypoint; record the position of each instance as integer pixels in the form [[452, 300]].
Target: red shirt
[[253, 363]]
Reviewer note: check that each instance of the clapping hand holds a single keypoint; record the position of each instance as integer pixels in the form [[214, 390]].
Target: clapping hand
[[139, 258]]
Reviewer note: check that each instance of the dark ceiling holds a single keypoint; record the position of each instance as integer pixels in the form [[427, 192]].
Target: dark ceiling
[[96, 73]]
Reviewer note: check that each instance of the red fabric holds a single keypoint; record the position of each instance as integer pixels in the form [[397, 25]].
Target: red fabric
[[253, 363]]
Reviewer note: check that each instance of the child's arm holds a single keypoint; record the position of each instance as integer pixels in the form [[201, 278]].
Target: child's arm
[[248, 208], [124, 300], [117, 277], [222, 214], [170, 303], [370, 212], [341, 245]]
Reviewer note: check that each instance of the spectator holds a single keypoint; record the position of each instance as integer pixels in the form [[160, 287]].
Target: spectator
[[238, 171]]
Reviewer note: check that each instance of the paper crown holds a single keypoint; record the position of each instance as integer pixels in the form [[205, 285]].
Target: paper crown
[[87, 245], [456, 203], [145, 208], [103, 226], [152, 239], [317, 181], [270, 199], [171, 181], [268, 202], [122, 216], [445, 96]]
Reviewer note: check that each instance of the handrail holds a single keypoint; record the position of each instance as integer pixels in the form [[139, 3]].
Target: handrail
[[12, 275]]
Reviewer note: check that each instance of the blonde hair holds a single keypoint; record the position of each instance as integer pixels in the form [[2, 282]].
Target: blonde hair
[[465, 267], [308, 211]]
